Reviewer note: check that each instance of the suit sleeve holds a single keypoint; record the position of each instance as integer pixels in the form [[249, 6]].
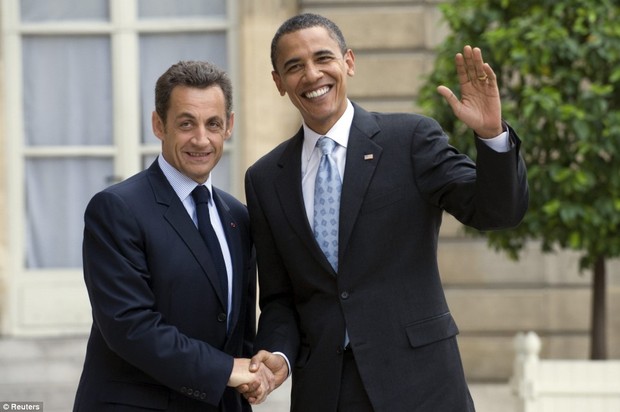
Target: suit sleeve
[[490, 194], [278, 323], [125, 310]]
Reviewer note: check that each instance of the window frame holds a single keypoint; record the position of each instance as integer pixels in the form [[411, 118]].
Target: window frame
[[54, 301]]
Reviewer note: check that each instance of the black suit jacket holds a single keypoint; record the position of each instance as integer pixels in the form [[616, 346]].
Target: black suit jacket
[[159, 338], [400, 176]]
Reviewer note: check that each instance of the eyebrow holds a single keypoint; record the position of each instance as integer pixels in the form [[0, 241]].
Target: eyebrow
[[184, 115], [319, 53]]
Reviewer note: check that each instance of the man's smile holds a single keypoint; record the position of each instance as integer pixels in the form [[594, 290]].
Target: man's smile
[[317, 93]]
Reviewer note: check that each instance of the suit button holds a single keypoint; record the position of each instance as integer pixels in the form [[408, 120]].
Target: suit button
[[344, 295], [183, 389], [221, 317], [203, 396], [190, 392]]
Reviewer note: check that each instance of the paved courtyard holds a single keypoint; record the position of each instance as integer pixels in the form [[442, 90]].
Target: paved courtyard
[[47, 370]]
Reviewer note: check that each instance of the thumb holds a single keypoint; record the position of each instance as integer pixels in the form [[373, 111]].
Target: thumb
[[448, 95], [257, 359]]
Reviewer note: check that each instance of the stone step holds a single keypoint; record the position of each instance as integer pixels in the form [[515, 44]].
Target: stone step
[[48, 369], [41, 370]]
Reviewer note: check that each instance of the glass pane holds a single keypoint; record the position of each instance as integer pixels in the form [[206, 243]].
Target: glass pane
[[67, 90], [181, 8], [58, 191], [159, 52], [221, 173], [56, 10], [147, 160]]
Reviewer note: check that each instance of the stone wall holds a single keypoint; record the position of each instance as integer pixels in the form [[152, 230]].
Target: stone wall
[[491, 297]]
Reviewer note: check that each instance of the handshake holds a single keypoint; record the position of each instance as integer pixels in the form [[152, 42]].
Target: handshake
[[257, 377]]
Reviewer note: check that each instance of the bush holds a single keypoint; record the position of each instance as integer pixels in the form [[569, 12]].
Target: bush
[[558, 68]]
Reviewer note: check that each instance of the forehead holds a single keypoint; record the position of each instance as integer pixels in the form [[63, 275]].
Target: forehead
[[305, 41], [185, 98]]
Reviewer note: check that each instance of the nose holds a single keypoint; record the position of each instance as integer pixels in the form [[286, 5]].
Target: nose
[[202, 135], [313, 72]]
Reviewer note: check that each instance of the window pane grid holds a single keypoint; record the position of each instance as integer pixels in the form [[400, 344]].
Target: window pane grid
[[94, 156]]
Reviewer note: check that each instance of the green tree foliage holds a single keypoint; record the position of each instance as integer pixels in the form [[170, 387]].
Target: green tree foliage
[[558, 68]]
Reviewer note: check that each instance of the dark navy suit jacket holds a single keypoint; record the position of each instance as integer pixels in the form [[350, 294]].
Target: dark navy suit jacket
[[159, 339], [400, 176]]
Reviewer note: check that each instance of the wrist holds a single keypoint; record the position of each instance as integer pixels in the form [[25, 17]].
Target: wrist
[[491, 133]]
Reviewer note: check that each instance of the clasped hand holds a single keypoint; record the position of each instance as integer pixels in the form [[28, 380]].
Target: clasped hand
[[257, 377]]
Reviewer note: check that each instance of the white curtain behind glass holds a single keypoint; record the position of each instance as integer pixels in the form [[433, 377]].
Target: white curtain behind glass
[[46, 10], [180, 8], [67, 90], [160, 51], [67, 101], [58, 191]]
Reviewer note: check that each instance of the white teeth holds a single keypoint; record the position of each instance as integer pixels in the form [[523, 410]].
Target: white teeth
[[317, 93]]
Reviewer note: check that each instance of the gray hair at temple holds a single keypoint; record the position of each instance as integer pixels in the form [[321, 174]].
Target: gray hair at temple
[[198, 74], [306, 21]]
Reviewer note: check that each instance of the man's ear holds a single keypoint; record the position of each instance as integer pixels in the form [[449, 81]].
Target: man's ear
[[349, 59], [278, 81], [158, 126], [229, 126]]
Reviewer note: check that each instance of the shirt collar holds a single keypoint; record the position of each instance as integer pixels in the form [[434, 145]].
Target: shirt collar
[[181, 184], [338, 133]]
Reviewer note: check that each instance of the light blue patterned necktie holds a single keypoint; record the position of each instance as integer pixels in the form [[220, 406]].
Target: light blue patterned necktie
[[327, 188]]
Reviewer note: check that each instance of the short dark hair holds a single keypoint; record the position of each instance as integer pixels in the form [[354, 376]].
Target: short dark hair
[[199, 74], [306, 21]]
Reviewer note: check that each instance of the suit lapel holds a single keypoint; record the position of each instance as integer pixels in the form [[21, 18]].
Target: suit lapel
[[177, 216], [236, 255], [289, 192], [362, 158]]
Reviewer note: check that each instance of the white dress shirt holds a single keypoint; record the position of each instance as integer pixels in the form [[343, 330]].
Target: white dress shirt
[[311, 155]]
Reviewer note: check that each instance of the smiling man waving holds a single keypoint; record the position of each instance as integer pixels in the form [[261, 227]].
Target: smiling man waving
[[345, 217]]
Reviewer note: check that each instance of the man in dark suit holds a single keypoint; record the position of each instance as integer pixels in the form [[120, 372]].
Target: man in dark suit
[[172, 331], [361, 318]]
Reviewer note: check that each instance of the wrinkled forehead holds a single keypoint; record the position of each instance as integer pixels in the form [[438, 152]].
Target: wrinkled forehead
[[305, 43]]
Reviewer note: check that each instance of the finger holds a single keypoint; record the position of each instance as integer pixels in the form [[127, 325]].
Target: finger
[[255, 400], [260, 398], [449, 97], [257, 359], [470, 65], [489, 72], [461, 71], [478, 63], [253, 386], [257, 396]]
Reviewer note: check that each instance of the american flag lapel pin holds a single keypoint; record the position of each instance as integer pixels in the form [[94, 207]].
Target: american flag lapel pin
[[369, 156]]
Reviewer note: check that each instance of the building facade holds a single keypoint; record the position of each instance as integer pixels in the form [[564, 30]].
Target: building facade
[[77, 82]]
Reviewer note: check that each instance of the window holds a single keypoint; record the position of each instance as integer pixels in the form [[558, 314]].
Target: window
[[79, 84]]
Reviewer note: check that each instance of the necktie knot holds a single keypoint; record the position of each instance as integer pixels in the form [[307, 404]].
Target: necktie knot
[[326, 145], [201, 194]]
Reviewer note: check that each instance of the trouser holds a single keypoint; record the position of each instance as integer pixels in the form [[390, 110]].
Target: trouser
[[353, 396]]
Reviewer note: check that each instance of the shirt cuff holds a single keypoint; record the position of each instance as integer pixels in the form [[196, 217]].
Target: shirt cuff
[[287, 362], [499, 143]]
